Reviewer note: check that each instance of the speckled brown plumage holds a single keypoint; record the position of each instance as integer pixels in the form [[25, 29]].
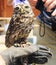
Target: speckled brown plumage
[[20, 25]]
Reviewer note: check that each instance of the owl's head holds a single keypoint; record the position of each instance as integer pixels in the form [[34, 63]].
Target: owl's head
[[22, 8]]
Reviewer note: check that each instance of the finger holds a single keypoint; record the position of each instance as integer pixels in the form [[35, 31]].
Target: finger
[[48, 2], [51, 6], [44, 0], [34, 0], [54, 13]]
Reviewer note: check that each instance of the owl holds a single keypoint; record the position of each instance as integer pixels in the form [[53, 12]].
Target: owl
[[20, 25]]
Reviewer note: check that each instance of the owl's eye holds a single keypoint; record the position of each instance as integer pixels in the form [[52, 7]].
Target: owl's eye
[[17, 8], [26, 7]]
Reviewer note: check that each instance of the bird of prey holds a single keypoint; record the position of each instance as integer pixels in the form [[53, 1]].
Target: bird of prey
[[20, 25]]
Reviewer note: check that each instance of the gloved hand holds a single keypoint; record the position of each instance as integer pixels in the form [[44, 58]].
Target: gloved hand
[[12, 53], [30, 54]]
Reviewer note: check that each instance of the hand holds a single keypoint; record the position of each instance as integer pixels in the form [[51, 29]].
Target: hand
[[32, 54], [49, 4]]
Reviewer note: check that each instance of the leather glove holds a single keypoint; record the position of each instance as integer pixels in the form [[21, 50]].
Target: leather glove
[[12, 53]]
